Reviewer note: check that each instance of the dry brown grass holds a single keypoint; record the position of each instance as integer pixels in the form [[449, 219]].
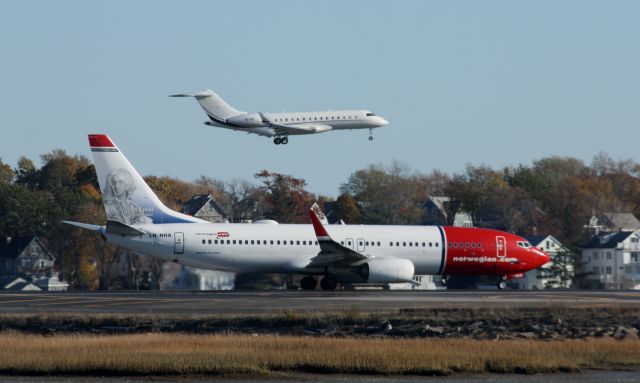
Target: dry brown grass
[[180, 354]]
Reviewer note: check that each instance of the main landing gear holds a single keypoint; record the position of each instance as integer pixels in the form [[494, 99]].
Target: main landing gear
[[328, 283], [308, 283], [281, 140]]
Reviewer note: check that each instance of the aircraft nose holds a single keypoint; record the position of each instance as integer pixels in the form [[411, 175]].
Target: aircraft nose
[[383, 122], [544, 257]]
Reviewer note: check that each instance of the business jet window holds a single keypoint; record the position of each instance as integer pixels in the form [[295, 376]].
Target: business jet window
[[391, 244], [436, 244], [215, 241], [252, 242], [278, 242], [209, 242], [297, 242], [203, 242], [378, 243], [411, 244], [370, 114]]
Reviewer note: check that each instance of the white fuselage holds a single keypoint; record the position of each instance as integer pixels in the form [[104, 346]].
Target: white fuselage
[[283, 248], [307, 122]]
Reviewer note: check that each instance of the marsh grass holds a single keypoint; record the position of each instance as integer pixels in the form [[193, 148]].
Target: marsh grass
[[230, 355]]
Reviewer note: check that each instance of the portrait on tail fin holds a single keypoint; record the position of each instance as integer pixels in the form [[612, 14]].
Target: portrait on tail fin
[[118, 198]]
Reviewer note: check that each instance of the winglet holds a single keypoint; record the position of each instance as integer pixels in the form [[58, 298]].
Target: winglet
[[318, 227]]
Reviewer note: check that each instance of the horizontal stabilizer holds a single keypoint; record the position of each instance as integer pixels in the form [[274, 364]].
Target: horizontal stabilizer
[[87, 226], [200, 94], [119, 228]]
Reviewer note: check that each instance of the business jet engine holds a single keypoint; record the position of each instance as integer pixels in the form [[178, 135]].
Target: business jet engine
[[248, 120], [390, 270]]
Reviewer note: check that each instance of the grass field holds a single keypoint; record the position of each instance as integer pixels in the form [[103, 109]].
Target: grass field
[[188, 354]]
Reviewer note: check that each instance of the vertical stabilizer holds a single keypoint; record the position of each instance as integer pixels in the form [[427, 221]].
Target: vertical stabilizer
[[126, 196], [216, 108]]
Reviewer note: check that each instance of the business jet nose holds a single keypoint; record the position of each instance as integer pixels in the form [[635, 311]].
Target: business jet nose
[[382, 121]]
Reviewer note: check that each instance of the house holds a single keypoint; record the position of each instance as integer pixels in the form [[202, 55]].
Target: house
[[557, 273], [203, 206], [611, 222], [435, 213], [25, 257], [613, 260]]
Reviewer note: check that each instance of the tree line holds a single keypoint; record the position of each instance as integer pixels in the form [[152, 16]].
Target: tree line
[[553, 195]]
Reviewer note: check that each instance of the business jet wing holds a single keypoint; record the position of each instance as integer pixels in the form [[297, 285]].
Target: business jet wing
[[331, 252], [294, 129]]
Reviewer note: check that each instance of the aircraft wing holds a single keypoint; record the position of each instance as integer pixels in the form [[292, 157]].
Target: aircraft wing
[[331, 252], [295, 129]]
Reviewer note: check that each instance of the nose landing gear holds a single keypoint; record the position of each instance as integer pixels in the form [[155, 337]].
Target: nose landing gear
[[370, 134]]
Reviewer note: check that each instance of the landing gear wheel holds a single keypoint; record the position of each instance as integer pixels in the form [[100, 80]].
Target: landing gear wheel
[[308, 283], [328, 283], [277, 140], [284, 140], [370, 138], [502, 285]]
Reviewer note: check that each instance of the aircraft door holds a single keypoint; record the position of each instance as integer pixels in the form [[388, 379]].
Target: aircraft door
[[349, 243], [178, 244], [501, 246], [360, 244]]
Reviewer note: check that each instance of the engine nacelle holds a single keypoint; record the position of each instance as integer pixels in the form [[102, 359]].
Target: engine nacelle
[[391, 270], [249, 120], [322, 128]]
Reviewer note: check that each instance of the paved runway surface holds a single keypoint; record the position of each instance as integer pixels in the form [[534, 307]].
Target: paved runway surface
[[253, 302]]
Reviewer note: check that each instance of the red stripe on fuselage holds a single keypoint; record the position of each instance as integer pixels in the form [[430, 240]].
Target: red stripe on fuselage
[[100, 140], [472, 251]]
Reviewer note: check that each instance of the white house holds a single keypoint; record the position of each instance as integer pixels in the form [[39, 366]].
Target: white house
[[613, 260], [557, 273]]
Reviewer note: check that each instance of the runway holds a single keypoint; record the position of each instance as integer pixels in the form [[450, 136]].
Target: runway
[[256, 302]]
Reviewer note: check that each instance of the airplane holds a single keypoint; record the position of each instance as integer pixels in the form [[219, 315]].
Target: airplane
[[282, 125], [374, 254]]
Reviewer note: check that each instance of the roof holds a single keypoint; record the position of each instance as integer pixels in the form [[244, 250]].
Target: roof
[[12, 247], [607, 240], [620, 221], [536, 239], [198, 201]]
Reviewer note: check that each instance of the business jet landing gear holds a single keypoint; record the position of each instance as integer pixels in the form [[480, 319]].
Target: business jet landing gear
[[281, 140], [370, 134], [328, 283], [308, 283]]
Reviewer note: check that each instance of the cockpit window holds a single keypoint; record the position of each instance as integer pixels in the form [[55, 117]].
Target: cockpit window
[[370, 114]]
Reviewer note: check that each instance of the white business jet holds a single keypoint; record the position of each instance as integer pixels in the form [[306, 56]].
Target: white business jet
[[137, 220], [282, 125]]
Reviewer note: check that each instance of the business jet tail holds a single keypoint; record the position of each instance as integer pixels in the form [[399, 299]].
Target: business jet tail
[[213, 105], [126, 196]]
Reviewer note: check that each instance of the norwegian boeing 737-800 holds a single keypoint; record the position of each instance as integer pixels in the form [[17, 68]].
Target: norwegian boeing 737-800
[[137, 220], [282, 125]]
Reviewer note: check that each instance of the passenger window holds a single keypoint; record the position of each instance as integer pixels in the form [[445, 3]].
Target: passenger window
[[397, 243], [304, 242], [215, 241], [466, 245], [417, 244], [278, 242], [437, 244], [271, 242], [404, 244], [479, 245], [234, 241], [228, 241], [210, 242], [455, 244], [391, 244], [316, 242], [360, 243], [253, 243], [203, 242], [246, 241], [411, 244], [297, 242], [378, 243], [473, 245]]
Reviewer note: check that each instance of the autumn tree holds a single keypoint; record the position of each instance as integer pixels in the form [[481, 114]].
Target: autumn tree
[[286, 197]]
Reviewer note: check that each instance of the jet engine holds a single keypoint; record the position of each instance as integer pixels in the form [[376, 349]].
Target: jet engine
[[390, 270], [249, 120]]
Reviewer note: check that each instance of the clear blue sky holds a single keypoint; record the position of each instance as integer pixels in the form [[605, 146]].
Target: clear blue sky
[[493, 82]]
